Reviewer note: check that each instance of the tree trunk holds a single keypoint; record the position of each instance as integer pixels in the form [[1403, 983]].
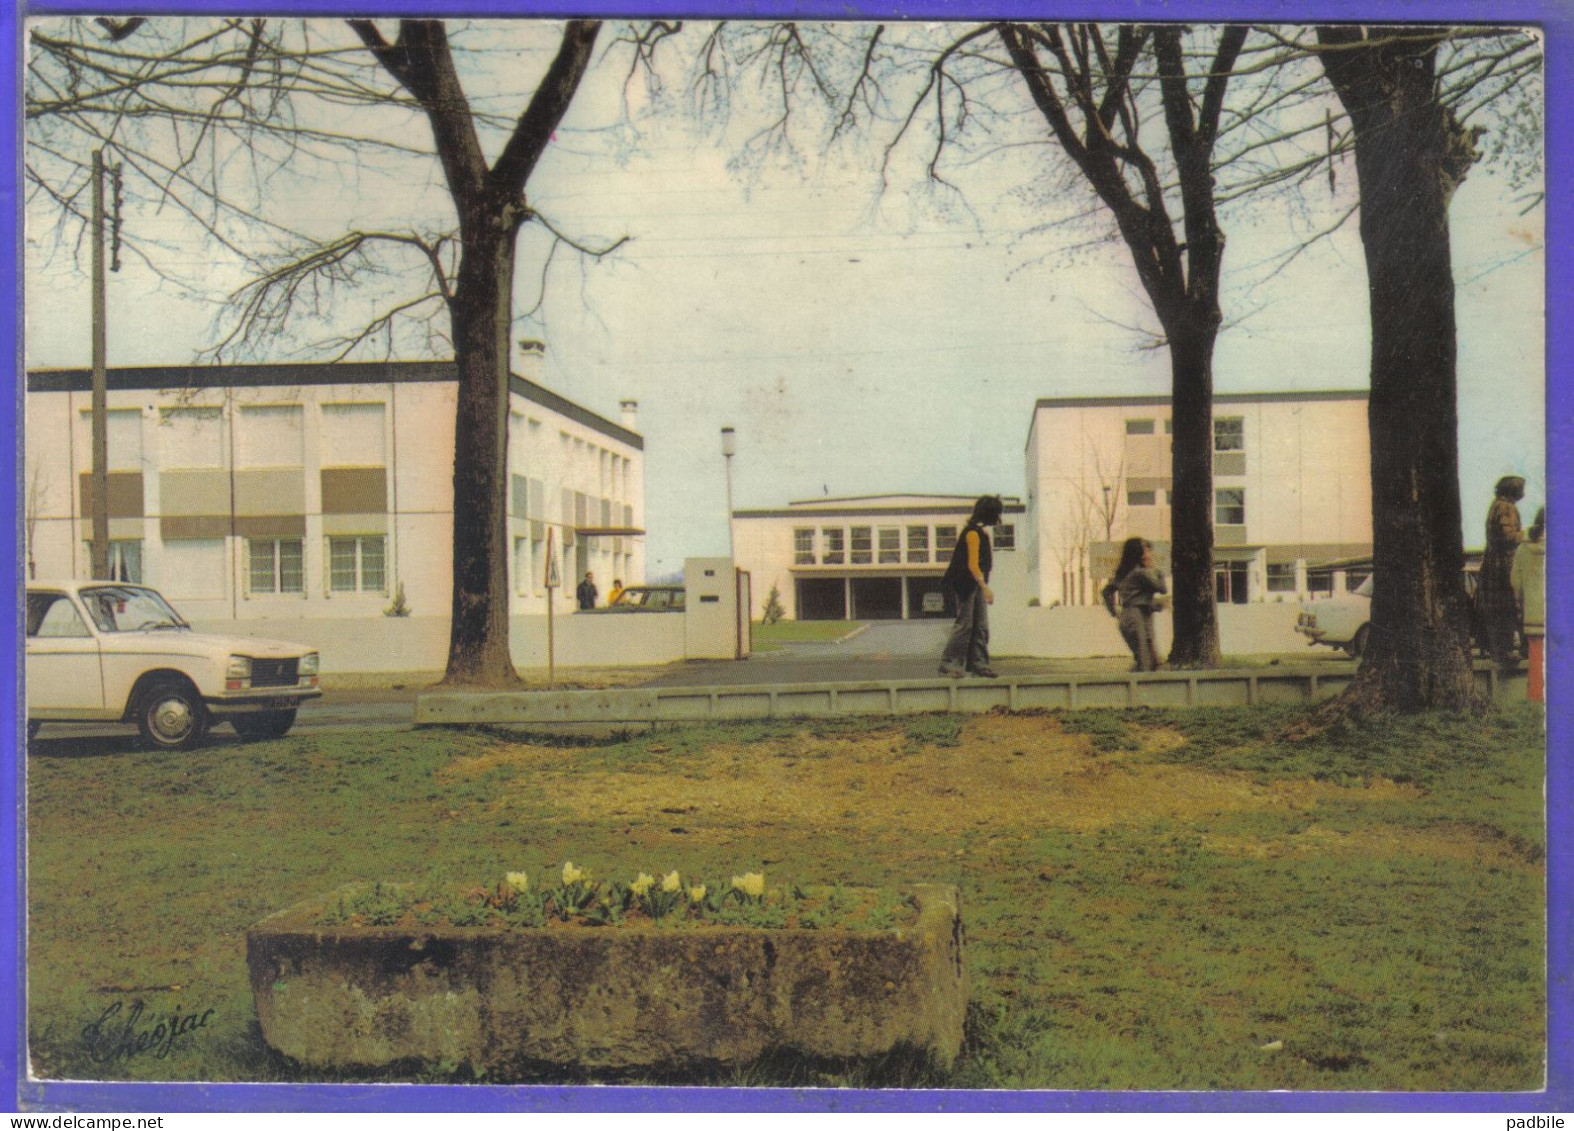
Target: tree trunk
[[1196, 620], [1410, 156], [478, 651]]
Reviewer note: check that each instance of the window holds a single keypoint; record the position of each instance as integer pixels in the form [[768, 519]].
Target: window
[[1005, 537], [918, 543], [862, 547], [191, 438], [124, 426], [1320, 581], [352, 435], [1142, 498], [834, 540], [945, 541], [1354, 579], [274, 565], [522, 566], [1281, 577], [355, 565], [269, 436], [1139, 427], [803, 545], [1229, 506], [1229, 583], [1229, 434], [125, 560], [890, 544], [1169, 426], [51, 616]]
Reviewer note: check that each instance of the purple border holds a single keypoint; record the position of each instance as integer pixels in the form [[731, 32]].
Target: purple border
[[1556, 17]]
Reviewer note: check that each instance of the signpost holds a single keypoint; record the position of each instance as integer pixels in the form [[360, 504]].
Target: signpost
[[552, 580]]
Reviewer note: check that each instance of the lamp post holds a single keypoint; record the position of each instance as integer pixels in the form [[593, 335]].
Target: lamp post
[[729, 448]]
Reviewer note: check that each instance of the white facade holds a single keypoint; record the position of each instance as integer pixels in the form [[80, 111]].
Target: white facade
[[296, 491], [877, 557], [1291, 478]]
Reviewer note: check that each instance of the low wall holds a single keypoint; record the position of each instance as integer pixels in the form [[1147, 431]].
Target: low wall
[[1082, 630], [420, 644]]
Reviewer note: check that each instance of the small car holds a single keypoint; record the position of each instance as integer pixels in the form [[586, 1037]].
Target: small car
[[1346, 622], [106, 651], [1339, 622], [646, 599]]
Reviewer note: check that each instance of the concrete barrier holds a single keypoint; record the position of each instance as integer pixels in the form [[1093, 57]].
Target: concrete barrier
[[1241, 687]]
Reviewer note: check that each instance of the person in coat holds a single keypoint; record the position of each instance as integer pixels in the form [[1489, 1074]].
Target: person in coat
[[1140, 588]]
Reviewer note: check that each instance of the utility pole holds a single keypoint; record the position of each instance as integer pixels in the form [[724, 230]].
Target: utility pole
[[100, 478]]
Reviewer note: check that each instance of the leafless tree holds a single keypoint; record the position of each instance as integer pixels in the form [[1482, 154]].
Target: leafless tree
[[34, 505], [211, 117]]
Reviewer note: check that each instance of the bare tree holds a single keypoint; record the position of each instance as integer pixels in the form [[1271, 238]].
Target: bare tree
[[1411, 153], [34, 505], [206, 114]]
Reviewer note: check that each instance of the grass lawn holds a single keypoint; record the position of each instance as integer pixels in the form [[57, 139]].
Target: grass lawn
[[1182, 900], [767, 637]]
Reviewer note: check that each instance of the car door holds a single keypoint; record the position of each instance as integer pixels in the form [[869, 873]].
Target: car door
[[65, 677]]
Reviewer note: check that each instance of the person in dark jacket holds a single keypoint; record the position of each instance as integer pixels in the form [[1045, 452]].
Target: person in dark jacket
[[1494, 593], [1139, 587], [967, 580], [585, 591]]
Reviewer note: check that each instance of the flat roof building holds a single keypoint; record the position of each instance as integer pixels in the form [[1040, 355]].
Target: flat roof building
[[1291, 491], [318, 490], [870, 557]]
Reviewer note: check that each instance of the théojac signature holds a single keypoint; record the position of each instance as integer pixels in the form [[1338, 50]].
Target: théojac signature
[[120, 1033]]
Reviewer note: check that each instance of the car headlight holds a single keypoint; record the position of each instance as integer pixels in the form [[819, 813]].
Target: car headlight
[[239, 668], [309, 664]]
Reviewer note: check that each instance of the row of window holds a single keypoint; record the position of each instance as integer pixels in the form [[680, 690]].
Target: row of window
[[268, 436], [1229, 504], [1229, 432], [883, 545], [356, 564]]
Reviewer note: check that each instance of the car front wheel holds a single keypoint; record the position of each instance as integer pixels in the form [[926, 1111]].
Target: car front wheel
[[264, 724], [171, 716]]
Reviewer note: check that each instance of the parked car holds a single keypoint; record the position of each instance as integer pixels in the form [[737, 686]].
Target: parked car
[[646, 599], [1346, 621], [100, 651]]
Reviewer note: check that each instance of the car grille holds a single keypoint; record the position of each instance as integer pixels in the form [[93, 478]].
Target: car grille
[[274, 673]]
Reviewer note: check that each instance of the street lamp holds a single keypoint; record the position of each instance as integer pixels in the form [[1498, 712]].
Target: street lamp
[[729, 448]]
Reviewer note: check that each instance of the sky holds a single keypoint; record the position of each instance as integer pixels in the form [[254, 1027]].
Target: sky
[[861, 337]]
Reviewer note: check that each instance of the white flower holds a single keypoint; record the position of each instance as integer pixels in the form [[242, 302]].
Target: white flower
[[519, 881], [572, 875], [696, 893], [750, 884], [670, 881], [642, 884]]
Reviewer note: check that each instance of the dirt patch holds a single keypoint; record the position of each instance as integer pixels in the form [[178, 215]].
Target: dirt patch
[[1006, 773]]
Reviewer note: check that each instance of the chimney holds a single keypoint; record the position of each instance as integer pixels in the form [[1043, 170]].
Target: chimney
[[630, 411]]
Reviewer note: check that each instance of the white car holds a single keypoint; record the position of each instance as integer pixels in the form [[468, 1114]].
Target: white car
[[1339, 622], [105, 651]]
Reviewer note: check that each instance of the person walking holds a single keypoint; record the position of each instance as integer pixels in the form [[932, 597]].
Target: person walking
[[967, 580], [1140, 588], [1494, 590], [585, 591]]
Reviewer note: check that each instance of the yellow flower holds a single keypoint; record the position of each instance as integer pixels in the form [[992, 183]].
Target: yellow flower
[[696, 893], [670, 882], [641, 885], [572, 875], [519, 881], [750, 884]]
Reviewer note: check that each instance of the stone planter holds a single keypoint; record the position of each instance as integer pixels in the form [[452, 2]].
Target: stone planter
[[607, 997]]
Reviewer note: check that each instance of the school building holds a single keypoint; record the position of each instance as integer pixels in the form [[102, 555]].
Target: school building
[[1291, 492], [872, 557], [318, 490]]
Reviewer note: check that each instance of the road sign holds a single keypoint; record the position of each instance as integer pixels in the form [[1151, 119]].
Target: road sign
[[554, 577]]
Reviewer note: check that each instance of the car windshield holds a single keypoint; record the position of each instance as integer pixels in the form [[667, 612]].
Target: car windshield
[[123, 608], [631, 598]]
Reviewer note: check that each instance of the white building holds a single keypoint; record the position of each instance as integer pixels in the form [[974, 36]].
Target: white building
[[876, 557], [1291, 489], [318, 490]]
